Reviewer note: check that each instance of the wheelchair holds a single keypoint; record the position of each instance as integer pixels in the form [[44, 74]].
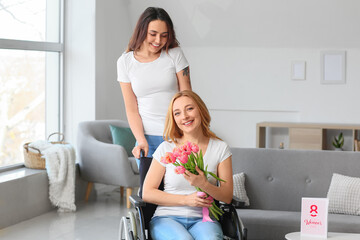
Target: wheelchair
[[135, 226]]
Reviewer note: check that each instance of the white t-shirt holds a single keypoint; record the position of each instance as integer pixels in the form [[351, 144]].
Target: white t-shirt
[[154, 84], [216, 152]]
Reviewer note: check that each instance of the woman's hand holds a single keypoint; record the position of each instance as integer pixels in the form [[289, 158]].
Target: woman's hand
[[196, 180], [193, 200], [141, 145]]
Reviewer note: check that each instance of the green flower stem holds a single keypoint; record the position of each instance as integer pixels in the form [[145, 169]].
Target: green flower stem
[[216, 209], [213, 213]]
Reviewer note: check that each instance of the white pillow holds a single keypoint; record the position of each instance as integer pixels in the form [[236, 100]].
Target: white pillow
[[239, 188], [344, 195]]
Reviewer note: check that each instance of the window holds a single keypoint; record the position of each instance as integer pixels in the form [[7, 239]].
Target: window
[[31, 52]]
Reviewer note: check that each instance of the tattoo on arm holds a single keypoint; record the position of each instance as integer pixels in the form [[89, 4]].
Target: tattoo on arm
[[186, 71]]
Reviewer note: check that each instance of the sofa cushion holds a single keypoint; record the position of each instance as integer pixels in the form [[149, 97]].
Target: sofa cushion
[[272, 224], [239, 188], [124, 137], [344, 195], [276, 224]]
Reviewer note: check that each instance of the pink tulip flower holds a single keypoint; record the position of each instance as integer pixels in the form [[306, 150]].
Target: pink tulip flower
[[185, 149], [183, 159], [176, 152], [210, 198], [169, 158], [194, 148], [201, 194], [180, 170]]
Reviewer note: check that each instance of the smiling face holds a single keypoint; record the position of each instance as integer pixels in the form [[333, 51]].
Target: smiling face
[[186, 115], [157, 36]]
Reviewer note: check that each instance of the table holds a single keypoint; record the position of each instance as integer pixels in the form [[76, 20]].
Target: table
[[331, 236]]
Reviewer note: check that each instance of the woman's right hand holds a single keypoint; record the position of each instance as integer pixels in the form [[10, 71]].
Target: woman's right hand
[[137, 149], [193, 200]]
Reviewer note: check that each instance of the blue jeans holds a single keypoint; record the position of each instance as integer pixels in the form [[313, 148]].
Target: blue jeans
[[154, 142], [183, 228]]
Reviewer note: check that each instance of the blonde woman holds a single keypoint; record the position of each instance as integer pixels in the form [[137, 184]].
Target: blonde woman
[[179, 211]]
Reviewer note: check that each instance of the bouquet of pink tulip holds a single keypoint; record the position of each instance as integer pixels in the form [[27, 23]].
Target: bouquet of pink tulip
[[186, 157]]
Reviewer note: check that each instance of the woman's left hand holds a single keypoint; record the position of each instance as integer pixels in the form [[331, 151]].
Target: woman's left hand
[[196, 180]]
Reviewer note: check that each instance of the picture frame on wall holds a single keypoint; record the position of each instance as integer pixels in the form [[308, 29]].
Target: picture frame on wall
[[333, 67], [298, 70]]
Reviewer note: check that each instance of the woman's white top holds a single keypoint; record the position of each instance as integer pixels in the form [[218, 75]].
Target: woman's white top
[[216, 152], [154, 84]]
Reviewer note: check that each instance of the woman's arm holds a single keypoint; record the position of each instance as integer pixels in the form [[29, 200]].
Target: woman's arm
[[152, 194], [224, 192], [133, 116], [184, 79]]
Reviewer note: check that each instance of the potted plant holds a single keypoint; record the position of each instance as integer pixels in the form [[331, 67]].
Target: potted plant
[[338, 142]]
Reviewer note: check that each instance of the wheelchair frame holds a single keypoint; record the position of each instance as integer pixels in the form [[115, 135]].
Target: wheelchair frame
[[134, 226]]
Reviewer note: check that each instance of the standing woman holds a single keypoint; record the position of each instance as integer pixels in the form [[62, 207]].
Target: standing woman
[[150, 72]]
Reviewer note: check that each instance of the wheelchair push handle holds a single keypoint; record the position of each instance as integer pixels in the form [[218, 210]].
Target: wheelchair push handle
[[142, 153]]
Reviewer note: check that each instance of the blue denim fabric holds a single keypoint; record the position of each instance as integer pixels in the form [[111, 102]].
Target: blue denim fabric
[[183, 228], [154, 142]]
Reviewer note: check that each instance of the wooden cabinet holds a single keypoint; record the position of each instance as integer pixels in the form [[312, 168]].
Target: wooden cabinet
[[306, 138], [307, 135]]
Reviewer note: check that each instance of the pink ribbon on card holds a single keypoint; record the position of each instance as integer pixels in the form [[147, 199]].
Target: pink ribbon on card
[[205, 210]]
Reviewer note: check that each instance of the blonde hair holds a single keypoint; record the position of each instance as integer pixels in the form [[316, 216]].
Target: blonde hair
[[172, 132]]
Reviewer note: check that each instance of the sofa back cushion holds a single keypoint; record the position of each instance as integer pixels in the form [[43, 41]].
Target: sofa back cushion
[[277, 179]]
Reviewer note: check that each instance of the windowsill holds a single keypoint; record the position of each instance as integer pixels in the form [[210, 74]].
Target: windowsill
[[17, 172]]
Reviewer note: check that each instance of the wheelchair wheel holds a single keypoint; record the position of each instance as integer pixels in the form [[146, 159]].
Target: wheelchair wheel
[[133, 224], [125, 232], [141, 231]]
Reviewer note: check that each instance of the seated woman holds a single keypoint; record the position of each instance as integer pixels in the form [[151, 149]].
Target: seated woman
[[179, 214]]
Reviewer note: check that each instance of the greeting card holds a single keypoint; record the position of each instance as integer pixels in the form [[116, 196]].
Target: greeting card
[[314, 217]]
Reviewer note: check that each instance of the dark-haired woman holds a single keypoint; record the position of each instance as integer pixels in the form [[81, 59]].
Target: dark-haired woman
[[150, 72]]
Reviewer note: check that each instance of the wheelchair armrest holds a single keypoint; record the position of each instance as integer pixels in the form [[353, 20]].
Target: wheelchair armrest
[[237, 203], [137, 201]]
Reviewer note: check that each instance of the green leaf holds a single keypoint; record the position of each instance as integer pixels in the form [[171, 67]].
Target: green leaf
[[216, 177], [201, 160], [338, 141], [341, 143]]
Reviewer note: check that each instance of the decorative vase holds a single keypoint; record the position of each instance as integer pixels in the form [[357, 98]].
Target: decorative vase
[[338, 149]]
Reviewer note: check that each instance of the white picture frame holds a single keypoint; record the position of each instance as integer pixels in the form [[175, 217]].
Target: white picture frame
[[298, 70], [333, 67]]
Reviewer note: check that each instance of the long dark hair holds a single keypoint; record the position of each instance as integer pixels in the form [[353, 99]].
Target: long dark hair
[[140, 31]]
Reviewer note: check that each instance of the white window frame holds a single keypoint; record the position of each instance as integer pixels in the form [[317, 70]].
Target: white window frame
[[54, 94]]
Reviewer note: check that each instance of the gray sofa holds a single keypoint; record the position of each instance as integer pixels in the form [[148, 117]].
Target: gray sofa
[[276, 180]]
